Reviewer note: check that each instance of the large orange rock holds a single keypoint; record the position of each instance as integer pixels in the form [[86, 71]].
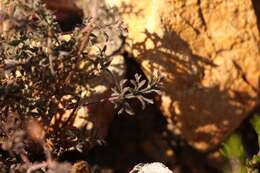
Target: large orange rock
[[209, 55]]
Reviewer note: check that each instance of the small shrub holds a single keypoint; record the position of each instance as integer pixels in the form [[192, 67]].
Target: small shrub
[[41, 69]]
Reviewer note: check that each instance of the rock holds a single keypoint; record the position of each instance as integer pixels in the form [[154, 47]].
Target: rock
[[155, 167], [80, 167], [209, 55], [67, 13]]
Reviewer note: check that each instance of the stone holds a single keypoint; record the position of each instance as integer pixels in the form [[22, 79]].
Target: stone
[[209, 56], [80, 167], [155, 167]]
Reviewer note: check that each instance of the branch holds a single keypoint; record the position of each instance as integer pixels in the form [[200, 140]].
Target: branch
[[49, 51], [86, 32], [93, 11], [24, 157], [90, 26], [37, 166]]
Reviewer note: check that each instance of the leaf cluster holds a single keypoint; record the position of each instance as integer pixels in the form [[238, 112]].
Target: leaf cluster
[[138, 89]]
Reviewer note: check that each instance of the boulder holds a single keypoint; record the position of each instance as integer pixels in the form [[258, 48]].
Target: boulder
[[209, 56]]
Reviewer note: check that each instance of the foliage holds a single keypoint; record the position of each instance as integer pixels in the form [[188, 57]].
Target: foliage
[[253, 163], [234, 151], [255, 122], [43, 73], [138, 90]]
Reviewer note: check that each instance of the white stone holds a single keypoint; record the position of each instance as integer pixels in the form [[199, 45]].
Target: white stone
[[155, 167]]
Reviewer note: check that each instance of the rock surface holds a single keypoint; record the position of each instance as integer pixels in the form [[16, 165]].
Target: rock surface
[[209, 55]]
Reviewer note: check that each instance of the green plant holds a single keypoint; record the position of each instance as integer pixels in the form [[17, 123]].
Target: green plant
[[234, 151], [253, 163]]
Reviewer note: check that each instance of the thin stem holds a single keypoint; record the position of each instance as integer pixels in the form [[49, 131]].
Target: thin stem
[[86, 31], [89, 28], [70, 116], [24, 157], [46, 152], [111, 98], [93, 12], [49, 50], [37, 166]]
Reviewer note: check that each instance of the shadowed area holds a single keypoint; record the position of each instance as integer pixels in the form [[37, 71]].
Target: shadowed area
[[198, 116], [208, 91]]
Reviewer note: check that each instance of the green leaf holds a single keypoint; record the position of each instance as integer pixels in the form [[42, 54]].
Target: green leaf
[[255, 121], [234, 151], [233, 147]]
